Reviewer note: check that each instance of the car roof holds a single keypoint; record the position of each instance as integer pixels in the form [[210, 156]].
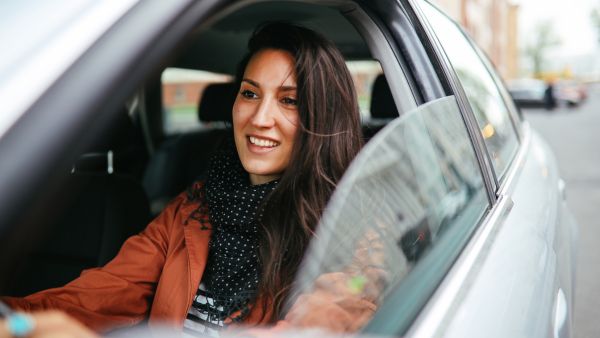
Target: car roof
[[227, 37]]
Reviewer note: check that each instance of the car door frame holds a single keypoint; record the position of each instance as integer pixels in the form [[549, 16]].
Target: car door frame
[[449, 291], [529, 146], [435, 314], [76, 108]]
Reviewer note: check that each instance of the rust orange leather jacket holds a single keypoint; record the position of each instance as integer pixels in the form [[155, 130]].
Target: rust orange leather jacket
[[156, 275]]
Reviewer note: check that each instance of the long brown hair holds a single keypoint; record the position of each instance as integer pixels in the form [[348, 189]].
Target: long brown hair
[[328, 139]]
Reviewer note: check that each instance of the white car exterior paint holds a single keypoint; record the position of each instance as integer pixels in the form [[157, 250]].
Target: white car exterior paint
[[33, 77]]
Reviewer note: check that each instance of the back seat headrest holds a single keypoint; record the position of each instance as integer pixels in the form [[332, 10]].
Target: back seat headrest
[[117, 144], [382, 102], [216, 102], [118, 136]]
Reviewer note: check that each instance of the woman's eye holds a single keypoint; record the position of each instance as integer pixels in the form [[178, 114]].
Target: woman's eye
[[249, 94], [289, 101]]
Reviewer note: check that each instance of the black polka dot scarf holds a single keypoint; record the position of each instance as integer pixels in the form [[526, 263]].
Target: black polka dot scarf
[[233, 271]]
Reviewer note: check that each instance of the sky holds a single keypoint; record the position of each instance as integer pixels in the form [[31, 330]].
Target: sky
[[571, 21]]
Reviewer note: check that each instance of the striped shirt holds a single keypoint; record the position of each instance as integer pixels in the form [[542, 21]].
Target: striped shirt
[[199, 319]]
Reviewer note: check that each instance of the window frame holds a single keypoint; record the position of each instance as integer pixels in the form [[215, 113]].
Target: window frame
[[399, 24], [438, 311], [497, 180], [508, 102], [416, 290], [447, 75]]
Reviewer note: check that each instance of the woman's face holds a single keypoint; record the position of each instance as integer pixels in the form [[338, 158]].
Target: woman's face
[[265, 115]]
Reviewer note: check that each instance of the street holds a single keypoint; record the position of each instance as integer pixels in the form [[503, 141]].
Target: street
[[574, 134]]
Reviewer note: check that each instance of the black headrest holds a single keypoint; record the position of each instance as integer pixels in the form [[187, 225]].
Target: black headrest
[[216, 102], [382, 102], [119, 135], [118, 144]]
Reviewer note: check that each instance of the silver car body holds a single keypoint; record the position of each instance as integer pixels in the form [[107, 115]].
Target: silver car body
[[516, 277]]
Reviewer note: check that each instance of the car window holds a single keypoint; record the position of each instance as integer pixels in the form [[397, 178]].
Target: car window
[[181, 93], [364, 73], [482, 92], [400, 215]]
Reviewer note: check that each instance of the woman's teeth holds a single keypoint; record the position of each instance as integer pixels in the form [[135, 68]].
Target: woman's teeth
[[263, 143]]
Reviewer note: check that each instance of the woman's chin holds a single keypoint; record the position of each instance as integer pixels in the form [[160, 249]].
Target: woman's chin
[[261, 172]]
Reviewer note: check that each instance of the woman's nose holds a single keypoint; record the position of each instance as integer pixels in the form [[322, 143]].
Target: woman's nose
[[263, 116]]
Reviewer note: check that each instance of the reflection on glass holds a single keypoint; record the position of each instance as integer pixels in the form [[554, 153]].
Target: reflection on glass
[[400, 196], [488, 106]]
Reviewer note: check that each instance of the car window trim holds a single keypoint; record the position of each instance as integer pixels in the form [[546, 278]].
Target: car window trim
[[404, 36], [498, 82], [410, 294], [437, 313], [510, 178], [508, 104], [395, 69], [448, 74], [499, 176]]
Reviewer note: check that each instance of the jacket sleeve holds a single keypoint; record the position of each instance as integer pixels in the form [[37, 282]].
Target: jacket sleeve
[[119, 293]]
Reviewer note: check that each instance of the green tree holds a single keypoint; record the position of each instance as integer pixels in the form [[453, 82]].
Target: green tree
[[543, 40]]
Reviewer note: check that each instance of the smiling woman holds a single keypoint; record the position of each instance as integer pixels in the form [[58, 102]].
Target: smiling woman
[[296, 119], [239, 236]]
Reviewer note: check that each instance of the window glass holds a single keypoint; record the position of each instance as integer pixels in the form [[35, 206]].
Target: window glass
[[486, 102], [181, 93], [364, 73], [182, 89], [399, 217]]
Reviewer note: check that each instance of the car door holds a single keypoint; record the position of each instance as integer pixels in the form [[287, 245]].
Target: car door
[[521, 280], [409, 206], [511, 272]]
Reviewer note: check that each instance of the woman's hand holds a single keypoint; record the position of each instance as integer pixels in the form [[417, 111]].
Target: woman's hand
[[51, 324]]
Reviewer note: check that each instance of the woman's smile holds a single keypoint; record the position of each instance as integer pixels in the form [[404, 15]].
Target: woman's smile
[[262, 142]]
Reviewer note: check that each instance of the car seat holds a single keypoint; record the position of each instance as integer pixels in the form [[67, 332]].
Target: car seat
[[383, 108], [105, 204], [181, 160]]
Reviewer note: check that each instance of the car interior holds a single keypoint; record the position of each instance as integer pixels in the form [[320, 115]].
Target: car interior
[[163, 137]]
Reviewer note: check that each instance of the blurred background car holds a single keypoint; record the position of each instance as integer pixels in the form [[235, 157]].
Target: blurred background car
[[532, 93], [528, 92], [570, 92]]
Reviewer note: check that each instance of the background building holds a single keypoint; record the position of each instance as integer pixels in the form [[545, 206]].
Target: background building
[[493, 24]]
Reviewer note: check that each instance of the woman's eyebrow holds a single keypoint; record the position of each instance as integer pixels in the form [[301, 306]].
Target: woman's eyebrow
[[254, 83]]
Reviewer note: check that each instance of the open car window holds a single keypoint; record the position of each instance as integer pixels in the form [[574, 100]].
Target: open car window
[[399, 217]]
